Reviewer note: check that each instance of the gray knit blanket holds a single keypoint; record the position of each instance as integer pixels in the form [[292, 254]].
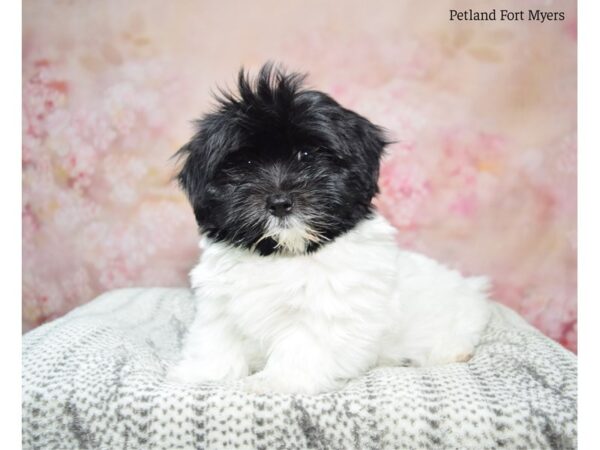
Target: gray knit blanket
[[95, 379]]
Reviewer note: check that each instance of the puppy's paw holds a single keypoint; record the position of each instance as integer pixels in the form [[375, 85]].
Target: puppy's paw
[[196, 372], [187, 374], [463, 357], [265, 383], [458, 352], [258, 384]]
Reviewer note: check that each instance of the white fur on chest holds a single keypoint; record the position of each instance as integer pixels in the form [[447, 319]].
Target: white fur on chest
[[353, 276]]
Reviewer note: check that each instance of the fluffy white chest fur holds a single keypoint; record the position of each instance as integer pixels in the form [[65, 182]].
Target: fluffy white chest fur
[[307, 323]]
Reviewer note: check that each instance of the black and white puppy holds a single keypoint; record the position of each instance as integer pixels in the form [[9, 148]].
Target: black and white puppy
[[301, 285]]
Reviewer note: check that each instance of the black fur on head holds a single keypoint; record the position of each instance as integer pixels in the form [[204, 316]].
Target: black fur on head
[[277, 167]]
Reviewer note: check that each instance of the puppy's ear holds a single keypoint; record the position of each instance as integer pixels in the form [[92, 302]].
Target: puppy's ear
[[372, 140], [216, 137], [192, 177], [192, 170]]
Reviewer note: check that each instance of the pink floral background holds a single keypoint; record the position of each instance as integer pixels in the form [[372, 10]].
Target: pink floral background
[[483, 176]]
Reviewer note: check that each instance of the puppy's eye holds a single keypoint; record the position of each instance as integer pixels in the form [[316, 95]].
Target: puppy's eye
[[249, 162], [302, 155]]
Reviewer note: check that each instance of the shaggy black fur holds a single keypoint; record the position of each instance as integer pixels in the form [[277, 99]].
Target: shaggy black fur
[[277, 139]]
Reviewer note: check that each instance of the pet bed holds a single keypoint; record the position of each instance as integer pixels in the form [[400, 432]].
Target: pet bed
[[95, 379]]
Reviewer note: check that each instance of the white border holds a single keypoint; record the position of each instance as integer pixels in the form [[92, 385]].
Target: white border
[[588, 220], [10, 242]]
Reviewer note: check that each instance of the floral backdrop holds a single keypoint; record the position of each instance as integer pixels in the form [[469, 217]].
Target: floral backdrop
[[482, 177]]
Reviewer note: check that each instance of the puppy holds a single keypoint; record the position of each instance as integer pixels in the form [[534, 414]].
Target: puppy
[[301, 285]]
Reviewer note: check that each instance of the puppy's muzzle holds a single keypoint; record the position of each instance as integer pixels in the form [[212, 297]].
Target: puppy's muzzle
[[280, 204]]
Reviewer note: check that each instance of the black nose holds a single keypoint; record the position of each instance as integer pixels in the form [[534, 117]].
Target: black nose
[[279, 205]]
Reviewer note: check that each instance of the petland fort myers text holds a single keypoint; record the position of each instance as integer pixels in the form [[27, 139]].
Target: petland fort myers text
[[531, 15]]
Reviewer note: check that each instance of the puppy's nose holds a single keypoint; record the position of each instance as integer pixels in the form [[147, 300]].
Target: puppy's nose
[[279, 205]]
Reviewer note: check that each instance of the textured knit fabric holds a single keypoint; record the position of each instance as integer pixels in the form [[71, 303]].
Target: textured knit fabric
[[95, 379]]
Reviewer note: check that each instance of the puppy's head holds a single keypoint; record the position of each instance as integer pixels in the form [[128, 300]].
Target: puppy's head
[[280, 168]]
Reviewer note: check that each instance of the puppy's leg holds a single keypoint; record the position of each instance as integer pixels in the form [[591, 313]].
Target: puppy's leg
[[301, 362], [212, 351]]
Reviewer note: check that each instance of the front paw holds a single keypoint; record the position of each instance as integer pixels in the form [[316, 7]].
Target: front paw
[[188, 374], [266, 383], [197, 372]]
